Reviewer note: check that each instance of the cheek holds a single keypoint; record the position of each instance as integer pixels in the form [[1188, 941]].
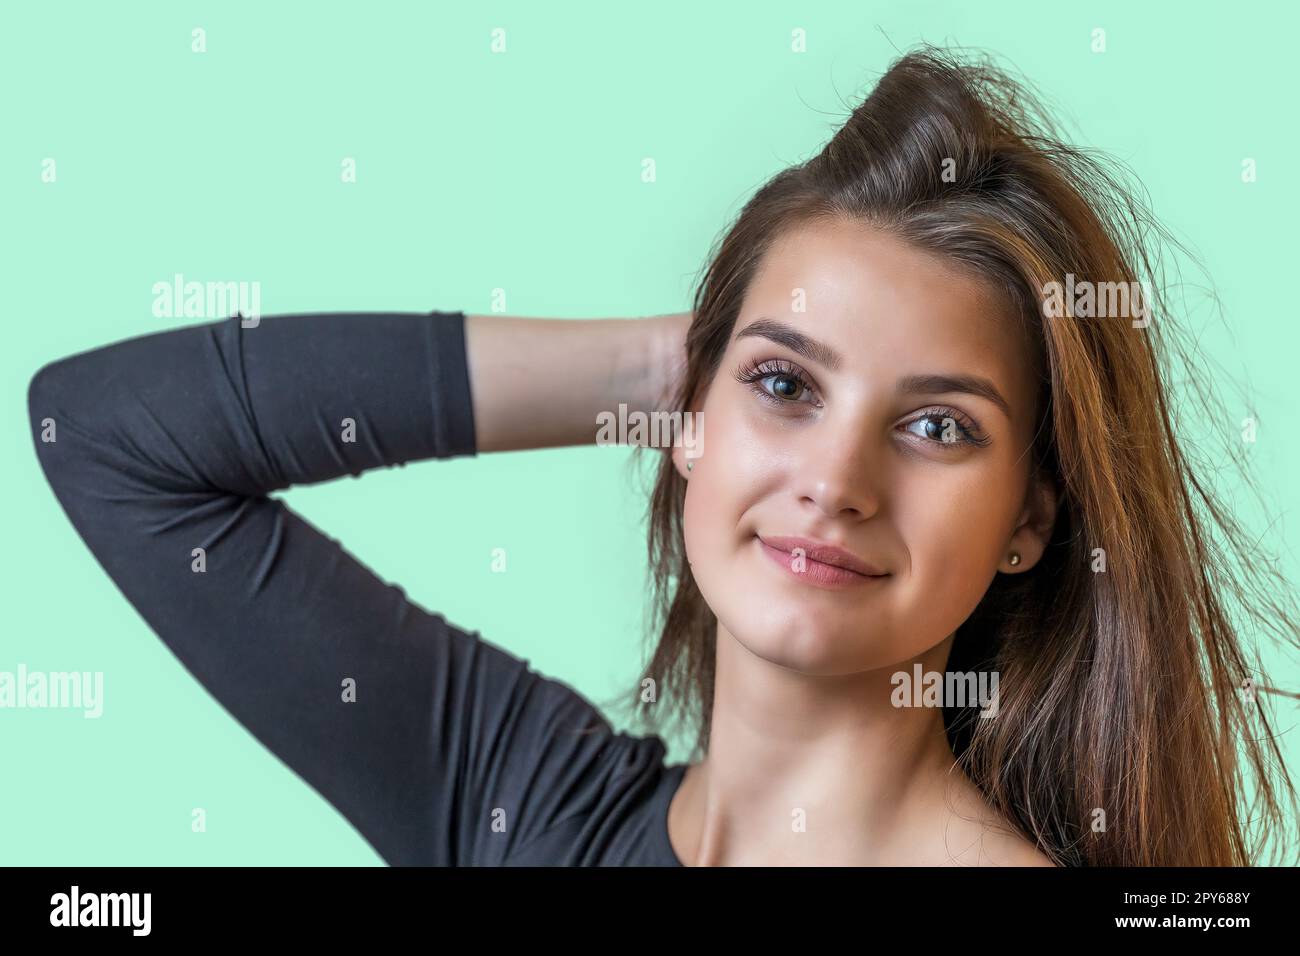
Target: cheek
[[955, 532], [958, 518], [947, 535], [714, 505], [710, 534], [717, 523], [715, 490], [696, 531]]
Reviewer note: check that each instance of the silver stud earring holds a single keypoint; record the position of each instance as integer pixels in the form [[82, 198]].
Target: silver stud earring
[[1015, 559], [690, 465]]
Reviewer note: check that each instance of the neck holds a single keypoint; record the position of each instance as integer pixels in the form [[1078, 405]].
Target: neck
[[813, 770]]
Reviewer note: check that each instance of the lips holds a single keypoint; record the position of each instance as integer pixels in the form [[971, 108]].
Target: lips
[[824, 552]]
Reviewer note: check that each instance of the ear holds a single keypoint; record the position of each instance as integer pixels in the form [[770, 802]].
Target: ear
[[689, 446], [1034, 527]]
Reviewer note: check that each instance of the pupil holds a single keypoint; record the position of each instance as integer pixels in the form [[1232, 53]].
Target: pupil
[[793, 388]]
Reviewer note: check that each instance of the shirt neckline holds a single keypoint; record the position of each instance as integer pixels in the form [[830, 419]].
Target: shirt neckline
[[672, 781]]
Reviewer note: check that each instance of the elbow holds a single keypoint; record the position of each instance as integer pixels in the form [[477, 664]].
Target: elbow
[[42, 392], [64, 412]]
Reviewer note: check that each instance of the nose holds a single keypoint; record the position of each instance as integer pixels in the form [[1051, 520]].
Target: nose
[[839, 472]]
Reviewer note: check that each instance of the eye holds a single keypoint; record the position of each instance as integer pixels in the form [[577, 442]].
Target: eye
[[788, 382], [947, 427]]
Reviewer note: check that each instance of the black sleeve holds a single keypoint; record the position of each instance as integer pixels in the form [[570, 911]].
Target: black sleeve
[[454, 751]]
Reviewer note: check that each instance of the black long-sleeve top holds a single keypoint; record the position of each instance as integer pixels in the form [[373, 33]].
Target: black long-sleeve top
[[439, 747]]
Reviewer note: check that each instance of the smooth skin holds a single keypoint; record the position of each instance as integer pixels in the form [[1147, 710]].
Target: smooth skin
[[803, 727]]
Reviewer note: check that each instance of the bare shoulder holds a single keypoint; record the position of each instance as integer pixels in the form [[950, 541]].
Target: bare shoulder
[[977, 835], [1004, 849]]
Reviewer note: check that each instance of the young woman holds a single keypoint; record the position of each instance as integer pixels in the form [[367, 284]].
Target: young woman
[[911, 464]]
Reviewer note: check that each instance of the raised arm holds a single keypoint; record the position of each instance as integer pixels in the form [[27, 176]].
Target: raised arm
[[163, 449], [540, 383]]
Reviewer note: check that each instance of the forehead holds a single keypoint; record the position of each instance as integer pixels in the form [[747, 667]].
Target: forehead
[[889, 308]]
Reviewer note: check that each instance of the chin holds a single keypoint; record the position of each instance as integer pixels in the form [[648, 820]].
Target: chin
[[804, 647]]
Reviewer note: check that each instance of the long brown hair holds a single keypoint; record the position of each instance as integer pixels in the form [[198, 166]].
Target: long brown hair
[[1124, 689]]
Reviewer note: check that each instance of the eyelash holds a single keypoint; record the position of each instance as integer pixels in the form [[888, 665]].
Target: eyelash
[[753, 374]]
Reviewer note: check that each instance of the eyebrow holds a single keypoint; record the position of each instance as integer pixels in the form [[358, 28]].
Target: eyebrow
[[823, 354], [794, 340], [967, 384]]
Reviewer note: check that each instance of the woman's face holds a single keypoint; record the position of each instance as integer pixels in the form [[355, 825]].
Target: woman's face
[[850, 444]]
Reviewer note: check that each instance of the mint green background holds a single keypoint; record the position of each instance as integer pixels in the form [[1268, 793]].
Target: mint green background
[[476, 171]]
